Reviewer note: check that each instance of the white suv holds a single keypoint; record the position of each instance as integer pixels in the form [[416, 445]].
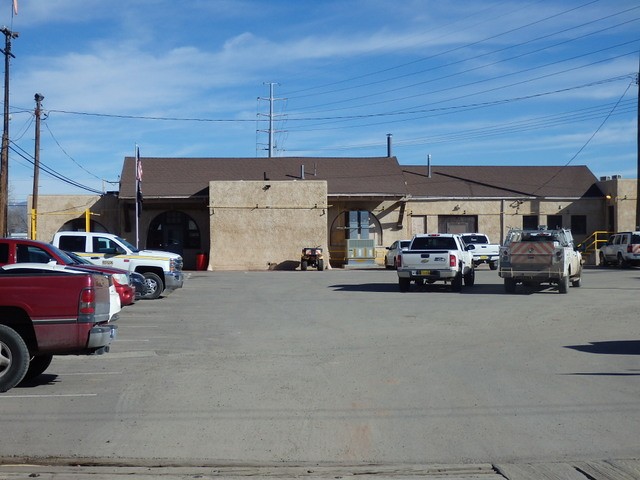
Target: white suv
[[622, 249]]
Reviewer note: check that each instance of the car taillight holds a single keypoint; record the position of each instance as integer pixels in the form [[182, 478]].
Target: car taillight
[[87, 301], [629, 248], [453, 260], [398, 260]]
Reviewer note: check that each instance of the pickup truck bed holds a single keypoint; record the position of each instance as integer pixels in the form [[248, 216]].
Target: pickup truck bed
[[46, 314]]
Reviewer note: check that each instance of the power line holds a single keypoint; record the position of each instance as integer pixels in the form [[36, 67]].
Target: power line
[[50, 171]]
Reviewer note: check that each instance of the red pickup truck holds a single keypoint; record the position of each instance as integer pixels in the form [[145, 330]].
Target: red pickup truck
[[17, 250], [50, 313]]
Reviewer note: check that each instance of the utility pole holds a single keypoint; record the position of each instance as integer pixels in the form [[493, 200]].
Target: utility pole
[[36, 167], [638, 151], [271, 116], [4, 154]]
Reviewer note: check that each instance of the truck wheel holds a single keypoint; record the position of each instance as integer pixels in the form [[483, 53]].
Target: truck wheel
[[563, 284], [14, 358], [321, 264], [404, 284], [493, 265], [509, 285], [154, 286], [37, 365], [456, 283], [470, 278], [303, 265], [576, 282], [621, 261]]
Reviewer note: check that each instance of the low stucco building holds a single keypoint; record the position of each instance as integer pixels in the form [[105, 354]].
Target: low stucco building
[[257, 213]]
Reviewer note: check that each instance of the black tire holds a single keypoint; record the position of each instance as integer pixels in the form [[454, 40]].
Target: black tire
[[404, 284], [509, 285], [456, 283], [154, 286], [14, 358], [621, 261], [563, 284], [470, 278], [303, 265], [37, 365], [576, 282], [493, 265], [320, 264]]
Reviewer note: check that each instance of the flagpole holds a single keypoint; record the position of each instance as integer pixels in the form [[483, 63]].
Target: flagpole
[[136, 159]]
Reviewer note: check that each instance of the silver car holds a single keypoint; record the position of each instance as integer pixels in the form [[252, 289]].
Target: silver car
[[396, 248]]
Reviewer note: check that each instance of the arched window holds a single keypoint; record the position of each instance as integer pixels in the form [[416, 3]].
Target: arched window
[[173, 231]]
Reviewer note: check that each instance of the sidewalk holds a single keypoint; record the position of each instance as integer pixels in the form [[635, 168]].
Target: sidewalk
[[622, 469]]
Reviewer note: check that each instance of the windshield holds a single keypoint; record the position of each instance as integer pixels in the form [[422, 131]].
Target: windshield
[[63, 256], [127, 244], [78, 259]]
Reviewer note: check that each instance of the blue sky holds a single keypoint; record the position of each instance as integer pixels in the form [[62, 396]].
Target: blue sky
[[467, 82]]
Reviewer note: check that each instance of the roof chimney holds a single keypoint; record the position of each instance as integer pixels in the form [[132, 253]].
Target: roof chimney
[[429, 165], [389, 144], [302, 172]]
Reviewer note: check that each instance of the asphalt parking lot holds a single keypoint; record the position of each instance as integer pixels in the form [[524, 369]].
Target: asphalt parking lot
[[340, 368]]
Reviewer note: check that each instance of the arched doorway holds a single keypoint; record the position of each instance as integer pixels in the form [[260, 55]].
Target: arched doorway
[[174, 231], [350, 225], [80, 225]]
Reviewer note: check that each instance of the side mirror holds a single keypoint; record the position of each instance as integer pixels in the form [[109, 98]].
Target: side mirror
[[471, 247]]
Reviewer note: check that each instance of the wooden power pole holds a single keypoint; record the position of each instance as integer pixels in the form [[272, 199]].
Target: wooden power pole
[[36, 167], [4, 153]]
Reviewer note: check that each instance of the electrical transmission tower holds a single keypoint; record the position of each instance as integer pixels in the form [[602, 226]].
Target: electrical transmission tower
[[271, 117]]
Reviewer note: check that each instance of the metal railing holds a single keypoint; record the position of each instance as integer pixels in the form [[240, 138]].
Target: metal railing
[[592, 243]]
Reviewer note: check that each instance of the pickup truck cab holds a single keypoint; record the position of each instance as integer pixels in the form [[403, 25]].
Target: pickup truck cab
[[484, 251], [622, 249], [47, 313], [20, 250], [162, 270], [436, 257]]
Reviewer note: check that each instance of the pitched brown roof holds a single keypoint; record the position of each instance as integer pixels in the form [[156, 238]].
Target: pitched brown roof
[[501, 181], [190, 177], [369, 176]]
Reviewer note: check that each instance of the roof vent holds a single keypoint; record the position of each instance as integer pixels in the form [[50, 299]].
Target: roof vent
[[616, 177]]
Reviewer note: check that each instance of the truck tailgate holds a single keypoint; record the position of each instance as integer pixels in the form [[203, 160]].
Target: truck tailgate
[[431, 260], [532, 255]]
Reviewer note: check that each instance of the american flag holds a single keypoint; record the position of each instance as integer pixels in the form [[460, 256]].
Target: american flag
[[138, 181]]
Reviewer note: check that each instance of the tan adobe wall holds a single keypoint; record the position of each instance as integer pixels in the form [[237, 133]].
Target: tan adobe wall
[[621, 198], [55, 210], [495, 217], [264, 225]]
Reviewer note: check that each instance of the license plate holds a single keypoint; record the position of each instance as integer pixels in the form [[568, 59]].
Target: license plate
[[483, 257], [425, 272]]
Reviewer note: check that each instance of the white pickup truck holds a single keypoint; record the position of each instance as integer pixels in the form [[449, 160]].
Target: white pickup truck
[[162, 270], [534, 257], [484, 251], [436, 257]]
